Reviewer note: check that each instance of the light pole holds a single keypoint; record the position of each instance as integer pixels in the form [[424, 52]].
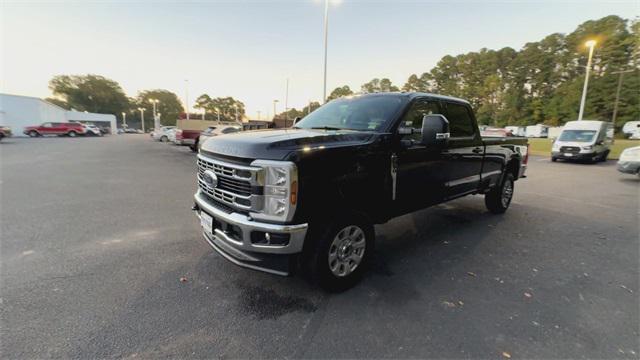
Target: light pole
[[204, 111], [590, 44], [218, 112], [274, 108], [124, 120], [326, 33], [142, 117], [286, 104], [259, 114], [156, 125], [186, 93], [236, 106]]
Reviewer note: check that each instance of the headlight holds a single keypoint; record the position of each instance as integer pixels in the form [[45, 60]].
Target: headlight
[[280, 179], [588, 147]]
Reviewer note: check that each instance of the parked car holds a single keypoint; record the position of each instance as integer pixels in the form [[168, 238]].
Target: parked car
[[583, 140], [212, 131], [308, 197], [54, 128], [92, 130], [631, 128], [5, 131], [186, 137], [495, 132], [162, 133], [629, 161], [517, 130], [537, 131]]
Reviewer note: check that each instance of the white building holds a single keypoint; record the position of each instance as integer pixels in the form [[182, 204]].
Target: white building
[[20, 111]]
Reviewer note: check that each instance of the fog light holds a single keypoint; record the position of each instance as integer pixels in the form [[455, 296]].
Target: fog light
[[274, 239]]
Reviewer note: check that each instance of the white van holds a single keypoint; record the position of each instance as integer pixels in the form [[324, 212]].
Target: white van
[[583, 140], [537, 131], [631, 128]]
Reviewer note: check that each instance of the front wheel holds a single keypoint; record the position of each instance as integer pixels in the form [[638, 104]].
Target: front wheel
[[341, 255], [499, 198], [72, 134], [33, 133]]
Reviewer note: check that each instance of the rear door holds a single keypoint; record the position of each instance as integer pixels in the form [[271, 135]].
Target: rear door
[[464, 153], [47, 129]]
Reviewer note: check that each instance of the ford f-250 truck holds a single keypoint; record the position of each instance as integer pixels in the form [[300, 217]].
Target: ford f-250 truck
[[307, 198]]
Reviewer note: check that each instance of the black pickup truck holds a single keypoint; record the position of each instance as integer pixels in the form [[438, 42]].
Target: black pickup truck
[[306, 198]]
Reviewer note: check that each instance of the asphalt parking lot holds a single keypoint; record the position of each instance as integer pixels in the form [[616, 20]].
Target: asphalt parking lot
[[98, 232]]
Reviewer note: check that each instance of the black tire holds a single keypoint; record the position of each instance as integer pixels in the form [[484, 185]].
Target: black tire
[[554, 159], [604, 156], [499, 198], [33, 133], [194, 147], [164, 138], [72, 134], [346, 230]]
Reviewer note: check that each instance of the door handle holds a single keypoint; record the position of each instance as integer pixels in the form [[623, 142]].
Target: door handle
[[477, 150]]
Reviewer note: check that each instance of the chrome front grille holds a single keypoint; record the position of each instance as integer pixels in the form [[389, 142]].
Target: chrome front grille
[[237, 185]]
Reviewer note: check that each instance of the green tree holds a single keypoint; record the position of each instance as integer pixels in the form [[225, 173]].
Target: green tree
[[379, 85], [93, 93], [340, 92], [168, 106], [225, 106]]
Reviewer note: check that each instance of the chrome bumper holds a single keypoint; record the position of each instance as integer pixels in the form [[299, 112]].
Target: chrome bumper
[[296, 233]]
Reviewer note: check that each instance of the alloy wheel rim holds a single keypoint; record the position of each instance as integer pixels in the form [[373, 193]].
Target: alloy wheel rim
[[507, 193], [347, 250]]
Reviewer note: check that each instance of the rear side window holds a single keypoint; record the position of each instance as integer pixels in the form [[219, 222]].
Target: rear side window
[[460, 123]]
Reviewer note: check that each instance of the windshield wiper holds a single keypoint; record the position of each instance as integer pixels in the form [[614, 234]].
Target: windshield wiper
[[326, 128]]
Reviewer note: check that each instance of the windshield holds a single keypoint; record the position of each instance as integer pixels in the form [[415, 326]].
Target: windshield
[[577, 135], [371, 113]]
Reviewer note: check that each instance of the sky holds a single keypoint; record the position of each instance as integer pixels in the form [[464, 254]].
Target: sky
[[247, 49]]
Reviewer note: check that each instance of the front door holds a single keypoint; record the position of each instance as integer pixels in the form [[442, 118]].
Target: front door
[[418, 180]]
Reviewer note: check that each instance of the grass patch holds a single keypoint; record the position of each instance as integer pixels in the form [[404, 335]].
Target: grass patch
[[542, 147]]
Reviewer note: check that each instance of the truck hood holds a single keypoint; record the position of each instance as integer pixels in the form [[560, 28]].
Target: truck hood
[[277, 144]]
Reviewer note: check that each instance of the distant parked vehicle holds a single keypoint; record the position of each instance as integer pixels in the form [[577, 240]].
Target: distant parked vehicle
[[186, 137], [517, 130], [5, 131], [212, 131], [53, 128], [631, 128], [583, 140], [162, 133], [629, 162], [537, 131], [495, 132], [92, 130]]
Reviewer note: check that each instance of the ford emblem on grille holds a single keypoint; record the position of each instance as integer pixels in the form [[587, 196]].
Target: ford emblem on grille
[[210, 178]]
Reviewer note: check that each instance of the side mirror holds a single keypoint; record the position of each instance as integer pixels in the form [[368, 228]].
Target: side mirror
[[435, 130], [296, 120]]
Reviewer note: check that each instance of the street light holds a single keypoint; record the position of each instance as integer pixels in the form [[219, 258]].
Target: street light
[[156, 125], [186, 88], [326, 33], [590, 44], [142, 117], [124, 120], [274, 109], [218, 111]]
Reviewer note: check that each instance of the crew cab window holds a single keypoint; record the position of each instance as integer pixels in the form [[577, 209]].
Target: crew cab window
[[413, 118], [460, 123], [47, 125], [230, 130]]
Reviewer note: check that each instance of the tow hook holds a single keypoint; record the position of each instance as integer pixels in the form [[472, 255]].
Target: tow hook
[[195, 207]]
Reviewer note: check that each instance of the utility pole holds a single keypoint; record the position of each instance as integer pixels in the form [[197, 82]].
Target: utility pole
[[204, 111], [274, 109], [186, 88], [124, 120], [236, 113], [259, 114], [326, 32], [286, 105], [615, 106]]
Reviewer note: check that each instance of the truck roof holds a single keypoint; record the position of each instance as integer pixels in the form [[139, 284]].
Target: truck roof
[[584, 125], [414, 94]]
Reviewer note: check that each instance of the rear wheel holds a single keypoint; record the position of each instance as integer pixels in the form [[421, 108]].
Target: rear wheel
[[341, 254], [604, 156], [164, 138], [194, 147], [554, 159], [499, 198], [72, 134], [33, 133]]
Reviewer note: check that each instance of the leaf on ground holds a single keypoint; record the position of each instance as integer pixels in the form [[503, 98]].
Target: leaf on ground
[[448, 304], [626, 288], [506, 355], [460, 302], [527, 295], [471, 274], [183, 279]]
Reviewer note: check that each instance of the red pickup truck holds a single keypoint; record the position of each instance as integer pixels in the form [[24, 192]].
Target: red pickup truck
[[55, 128]]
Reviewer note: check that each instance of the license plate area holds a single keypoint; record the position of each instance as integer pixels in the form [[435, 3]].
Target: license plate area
[[206, 221], [568, 154], [210, 224]]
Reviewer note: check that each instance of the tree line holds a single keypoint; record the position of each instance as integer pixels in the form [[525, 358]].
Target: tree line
[[95, 93], [542, 82]]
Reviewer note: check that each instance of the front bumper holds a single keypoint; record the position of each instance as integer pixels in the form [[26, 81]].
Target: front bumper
[[629, 167], [573, 156], [185, 141], [232, 238]]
